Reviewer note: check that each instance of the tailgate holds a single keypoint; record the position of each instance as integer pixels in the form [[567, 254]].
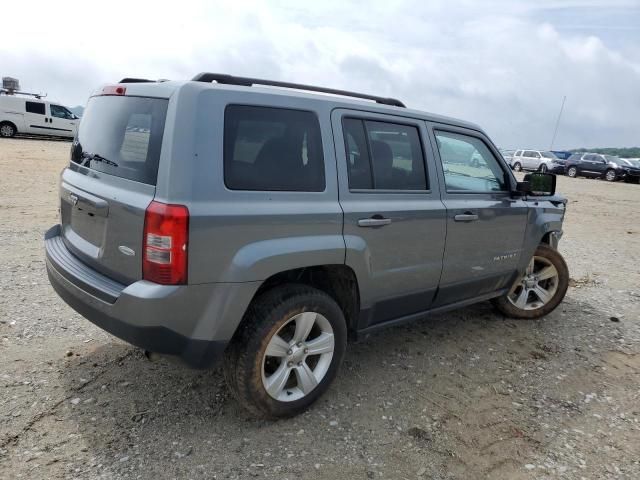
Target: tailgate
[[110, 182]]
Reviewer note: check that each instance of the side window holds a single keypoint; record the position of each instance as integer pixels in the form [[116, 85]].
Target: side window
[[35, 107], [358, 163], [383, 156], [272, 149], [60, 112], [590, 158], [528, 154], [536, 154], [518, 153], [468, 164]]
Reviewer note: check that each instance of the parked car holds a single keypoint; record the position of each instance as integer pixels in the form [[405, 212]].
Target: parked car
[[536, 160], [34, 116], [261, 226], [507, 155], [562, 154], [631, 168], [596, 165]]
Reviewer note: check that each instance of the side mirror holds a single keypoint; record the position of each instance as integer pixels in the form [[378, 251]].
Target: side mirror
[[538, 184]]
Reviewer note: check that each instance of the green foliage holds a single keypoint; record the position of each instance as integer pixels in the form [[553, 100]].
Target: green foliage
[[630, 152]]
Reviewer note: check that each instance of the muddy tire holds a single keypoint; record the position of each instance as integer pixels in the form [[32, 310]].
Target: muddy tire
[[540, 290], [286, 352]]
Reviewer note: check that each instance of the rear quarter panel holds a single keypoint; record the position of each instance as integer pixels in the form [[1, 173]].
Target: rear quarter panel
[[12, 110], [244, 236]]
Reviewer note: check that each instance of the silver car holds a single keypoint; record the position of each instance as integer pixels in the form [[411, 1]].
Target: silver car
[[220, 219], [537, 160]]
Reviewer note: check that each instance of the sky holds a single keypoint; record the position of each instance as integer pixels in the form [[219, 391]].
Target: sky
[[505, 65]]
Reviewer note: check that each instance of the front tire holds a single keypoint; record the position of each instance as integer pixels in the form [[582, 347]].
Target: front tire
[[610, 175], [287, 351], [572, 172], [7, 130], [540, 290], [543, 168]]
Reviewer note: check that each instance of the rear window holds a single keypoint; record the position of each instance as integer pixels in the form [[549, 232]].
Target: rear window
[[272, 149], [122, 136]]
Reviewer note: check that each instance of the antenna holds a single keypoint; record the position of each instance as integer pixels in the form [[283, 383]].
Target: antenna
[[555, 131]]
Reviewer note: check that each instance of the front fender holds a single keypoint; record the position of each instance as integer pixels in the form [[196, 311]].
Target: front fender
[[545, 216], [260, 260]]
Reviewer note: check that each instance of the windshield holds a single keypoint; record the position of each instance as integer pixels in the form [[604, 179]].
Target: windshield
[[611, 158], [121, 136], [624, 162], [548, 155]]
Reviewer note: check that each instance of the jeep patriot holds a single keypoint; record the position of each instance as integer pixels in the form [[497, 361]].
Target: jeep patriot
[[260, 223]]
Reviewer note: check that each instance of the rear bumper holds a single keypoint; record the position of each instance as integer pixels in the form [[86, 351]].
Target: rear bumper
[[194, 322]]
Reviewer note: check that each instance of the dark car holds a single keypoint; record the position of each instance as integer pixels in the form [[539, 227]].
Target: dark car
[[595, 165], [562, 154]]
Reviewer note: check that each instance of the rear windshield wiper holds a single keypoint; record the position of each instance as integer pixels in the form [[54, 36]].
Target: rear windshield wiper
[[94, 157]]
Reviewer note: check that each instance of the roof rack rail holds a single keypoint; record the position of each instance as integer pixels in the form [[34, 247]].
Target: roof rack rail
[[247, 82], [8, 92], [136, 80]]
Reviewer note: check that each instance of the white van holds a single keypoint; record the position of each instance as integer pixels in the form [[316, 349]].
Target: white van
[[33, 116]]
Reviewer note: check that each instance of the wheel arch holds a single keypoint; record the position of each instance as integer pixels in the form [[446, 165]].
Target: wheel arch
[[338, 281], [9, 122]]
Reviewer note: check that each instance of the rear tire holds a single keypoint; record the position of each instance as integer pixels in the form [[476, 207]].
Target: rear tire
[[540, 290], [610, 175], [517, 167], [7, 130], [269, 365], [572, 172]]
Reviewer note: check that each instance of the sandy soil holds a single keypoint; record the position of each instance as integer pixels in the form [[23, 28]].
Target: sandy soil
[[463, 395]]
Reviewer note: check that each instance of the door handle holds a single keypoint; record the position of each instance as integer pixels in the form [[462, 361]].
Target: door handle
[[466, 217], [374, 222]]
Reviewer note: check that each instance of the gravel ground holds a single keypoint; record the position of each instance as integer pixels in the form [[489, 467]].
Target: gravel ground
[[463, 395]]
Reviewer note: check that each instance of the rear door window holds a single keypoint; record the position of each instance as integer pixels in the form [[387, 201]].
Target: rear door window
[[272, 149], [383, 156], [122, 136], [35, 107]]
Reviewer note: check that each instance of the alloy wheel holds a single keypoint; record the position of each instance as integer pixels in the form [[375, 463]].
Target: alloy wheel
[[537, 286], [298, 356], [610, 176], [572, 172]]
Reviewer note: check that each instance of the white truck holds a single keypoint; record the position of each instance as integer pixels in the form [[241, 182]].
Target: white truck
[[31, 115]]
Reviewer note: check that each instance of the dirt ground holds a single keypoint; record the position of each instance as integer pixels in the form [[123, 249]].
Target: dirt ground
[[463, 395]]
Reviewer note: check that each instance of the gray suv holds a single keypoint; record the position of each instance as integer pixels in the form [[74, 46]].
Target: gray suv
[[224, 219]]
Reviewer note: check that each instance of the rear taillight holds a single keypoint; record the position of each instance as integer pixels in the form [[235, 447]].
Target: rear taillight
[[166, 236]]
